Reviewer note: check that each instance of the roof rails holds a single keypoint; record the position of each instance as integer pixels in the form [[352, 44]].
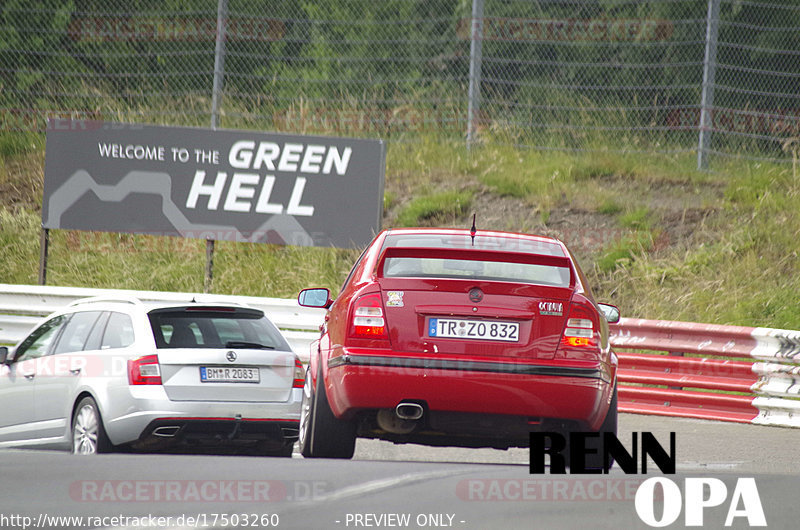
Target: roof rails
[[127, 299], [120, 299]]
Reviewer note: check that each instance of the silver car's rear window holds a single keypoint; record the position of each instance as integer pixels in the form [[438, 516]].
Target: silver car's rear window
[[215, 329]]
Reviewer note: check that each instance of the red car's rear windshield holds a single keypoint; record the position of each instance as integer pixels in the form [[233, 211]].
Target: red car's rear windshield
[[494, 270], [506, 243]]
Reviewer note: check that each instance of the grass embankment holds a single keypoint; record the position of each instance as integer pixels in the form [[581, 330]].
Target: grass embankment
[[655, 236]]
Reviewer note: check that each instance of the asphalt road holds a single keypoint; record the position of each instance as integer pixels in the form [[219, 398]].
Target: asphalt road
[[392, 486]]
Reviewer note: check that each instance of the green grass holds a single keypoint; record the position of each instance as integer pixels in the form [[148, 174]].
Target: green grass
[[749, 276], [624, 252], [19, 241], [719, 247], [637, 219], [609, 207], [18, 143], [141, 262], [435, 209]]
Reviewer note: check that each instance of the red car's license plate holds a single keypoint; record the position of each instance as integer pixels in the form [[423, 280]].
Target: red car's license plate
[[473, 329]]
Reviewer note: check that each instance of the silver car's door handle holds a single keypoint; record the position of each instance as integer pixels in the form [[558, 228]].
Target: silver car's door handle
[[29, 376], [76, 371]]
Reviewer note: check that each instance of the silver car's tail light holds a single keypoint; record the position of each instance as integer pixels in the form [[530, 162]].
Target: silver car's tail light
[[144, 371], [299, 374]]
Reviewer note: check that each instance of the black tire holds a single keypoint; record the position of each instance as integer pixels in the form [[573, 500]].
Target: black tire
[[88, 434], [325, 436], [595, 461], [306, 416]]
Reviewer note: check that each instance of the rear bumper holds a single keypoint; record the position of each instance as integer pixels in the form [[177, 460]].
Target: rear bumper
[[131, 417], [541, 391], [228, 433]]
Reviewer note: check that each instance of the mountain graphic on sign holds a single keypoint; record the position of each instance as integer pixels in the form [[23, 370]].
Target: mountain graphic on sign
[[279, 229]]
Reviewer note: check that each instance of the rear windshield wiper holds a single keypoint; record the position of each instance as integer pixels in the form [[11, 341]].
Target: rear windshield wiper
[[245, 344]]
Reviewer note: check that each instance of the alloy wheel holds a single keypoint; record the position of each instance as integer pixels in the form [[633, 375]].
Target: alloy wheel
[[85, 431]]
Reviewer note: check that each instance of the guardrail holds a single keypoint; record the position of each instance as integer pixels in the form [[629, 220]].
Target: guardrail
[[728, 373], [705, 371]]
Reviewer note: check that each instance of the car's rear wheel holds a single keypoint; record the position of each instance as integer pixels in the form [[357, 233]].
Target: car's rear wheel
[[323, 435], [609, 425], [88, 434], [306, 410]]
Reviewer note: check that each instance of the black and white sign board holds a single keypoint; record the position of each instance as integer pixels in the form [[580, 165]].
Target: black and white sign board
[[219, 185]]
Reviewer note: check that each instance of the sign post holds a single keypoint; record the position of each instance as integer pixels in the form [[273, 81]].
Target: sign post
[[209, 265], [44, 246]]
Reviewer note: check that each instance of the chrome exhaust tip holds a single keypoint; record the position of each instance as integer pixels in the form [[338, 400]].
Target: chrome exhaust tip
[[409, 411], [290, 433], [167, 431]]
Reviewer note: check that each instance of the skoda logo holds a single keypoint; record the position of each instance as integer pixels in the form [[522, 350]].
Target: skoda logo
[[475, 295], [231, 356]]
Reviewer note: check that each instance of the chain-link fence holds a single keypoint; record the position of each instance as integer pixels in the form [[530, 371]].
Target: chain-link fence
[[716, 77]]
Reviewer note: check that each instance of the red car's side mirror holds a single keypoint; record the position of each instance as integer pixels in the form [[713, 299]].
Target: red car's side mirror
[[611, 312], [318, 297]]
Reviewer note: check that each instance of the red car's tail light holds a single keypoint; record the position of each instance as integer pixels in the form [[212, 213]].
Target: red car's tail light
[[368, 328], [368, 320], [299, 374], [144, 371], [580, 331]]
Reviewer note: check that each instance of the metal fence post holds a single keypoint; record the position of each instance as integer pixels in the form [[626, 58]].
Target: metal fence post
[[709, 75], [219, 78], [219, 61], [475, 52]]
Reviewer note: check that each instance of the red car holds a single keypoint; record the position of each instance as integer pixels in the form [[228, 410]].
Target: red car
[[450, 337]]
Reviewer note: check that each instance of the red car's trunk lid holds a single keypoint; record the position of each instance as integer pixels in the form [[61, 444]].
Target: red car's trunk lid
[[475, 303]]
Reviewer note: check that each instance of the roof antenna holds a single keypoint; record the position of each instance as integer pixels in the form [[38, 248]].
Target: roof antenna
[[473, 230]]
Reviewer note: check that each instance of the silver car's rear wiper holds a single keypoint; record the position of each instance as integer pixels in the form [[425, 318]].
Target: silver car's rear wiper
[[245, 344]]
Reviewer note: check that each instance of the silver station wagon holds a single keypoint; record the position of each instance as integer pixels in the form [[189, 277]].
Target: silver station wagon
[[122, 374]]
